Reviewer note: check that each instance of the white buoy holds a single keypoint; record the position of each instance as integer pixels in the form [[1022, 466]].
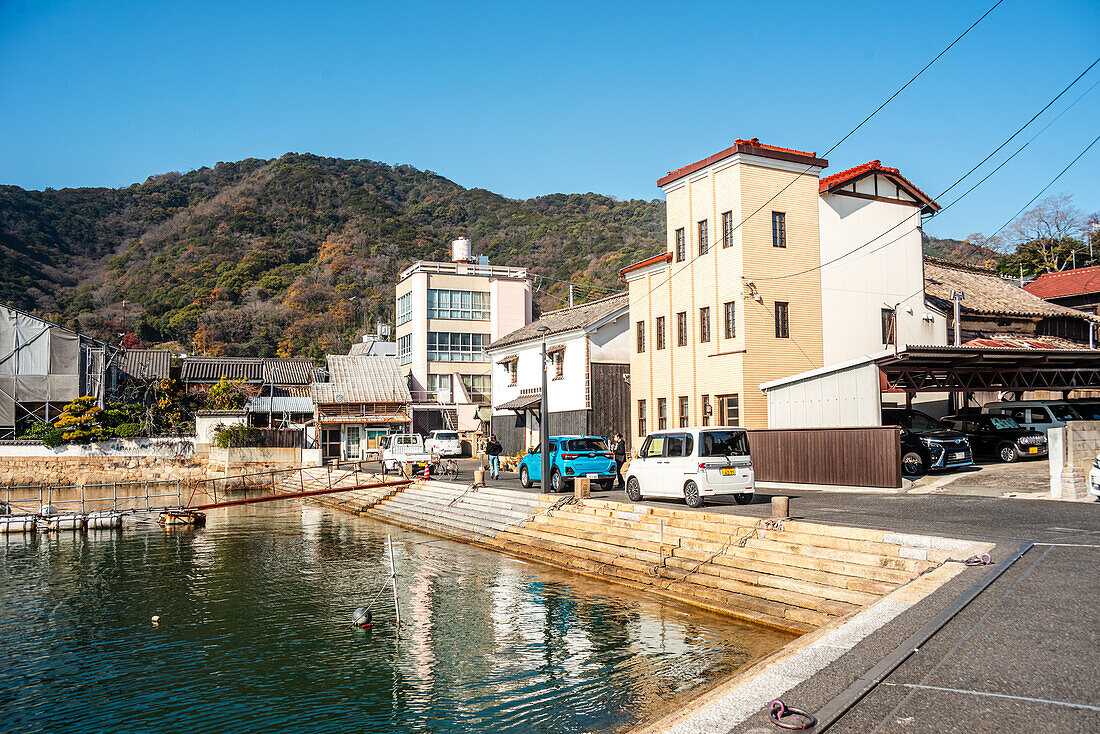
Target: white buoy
[[156, 618]]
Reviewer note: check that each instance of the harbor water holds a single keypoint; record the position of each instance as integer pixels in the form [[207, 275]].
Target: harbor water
[[254, 634]]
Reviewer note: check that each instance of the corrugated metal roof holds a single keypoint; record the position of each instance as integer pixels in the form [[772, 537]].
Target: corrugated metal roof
[[362, 380], [566, 319], [986, 292], [373, 349], [146, 364], [277, 404], [288, 371], [212, 369]]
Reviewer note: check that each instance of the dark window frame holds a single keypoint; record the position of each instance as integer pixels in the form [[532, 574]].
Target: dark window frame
[[704, 325], [727, 229], [703, 231], [659, 336], [639, 337], [682, 329], [641, 419], [889, 326], [685, 411], [725, 409], [729, 318], [782, 320], [779, 229], [662, 414], [681, 245]]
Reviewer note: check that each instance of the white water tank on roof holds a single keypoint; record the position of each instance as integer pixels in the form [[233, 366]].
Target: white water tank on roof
[[461, 250]]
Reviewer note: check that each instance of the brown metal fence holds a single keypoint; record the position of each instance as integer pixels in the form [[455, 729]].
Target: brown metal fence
[[864, 457]]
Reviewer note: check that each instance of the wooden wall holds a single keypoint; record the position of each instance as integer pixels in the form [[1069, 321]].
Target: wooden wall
[[610, 392], [862, 457]]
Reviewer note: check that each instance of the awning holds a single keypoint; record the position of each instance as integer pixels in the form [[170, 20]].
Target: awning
[[523, 402], [988, 369]]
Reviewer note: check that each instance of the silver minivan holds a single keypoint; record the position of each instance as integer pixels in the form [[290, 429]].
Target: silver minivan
[[694, 464], [1037, 415]]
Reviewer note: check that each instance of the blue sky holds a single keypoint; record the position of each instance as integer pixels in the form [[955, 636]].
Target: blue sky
[[527, 99]]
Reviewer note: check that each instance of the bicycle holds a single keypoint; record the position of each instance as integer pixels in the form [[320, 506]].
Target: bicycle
[[445, 468]]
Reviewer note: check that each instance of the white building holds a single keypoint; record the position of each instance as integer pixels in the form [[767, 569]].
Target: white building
[[588, 368], [872, 274], [447, 315]]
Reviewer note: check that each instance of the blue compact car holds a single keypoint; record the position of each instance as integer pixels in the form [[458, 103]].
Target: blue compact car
[[571, 457]]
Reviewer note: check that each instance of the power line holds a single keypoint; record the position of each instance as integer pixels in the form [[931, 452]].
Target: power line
[[726, 235], [953, 185]]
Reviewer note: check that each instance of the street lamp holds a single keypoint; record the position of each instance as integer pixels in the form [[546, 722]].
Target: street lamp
[[544, 415]]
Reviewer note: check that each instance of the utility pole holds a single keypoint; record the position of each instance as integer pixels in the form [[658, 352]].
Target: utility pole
[[570, 295], [544, 417], [957, 297]]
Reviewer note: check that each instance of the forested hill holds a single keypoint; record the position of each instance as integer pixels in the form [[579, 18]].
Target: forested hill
[[293, 256], [296, 255], [960, 251]]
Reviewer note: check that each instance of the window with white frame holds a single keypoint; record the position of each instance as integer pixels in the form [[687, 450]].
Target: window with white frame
[[478, 387], [404, 309], [405, 349], [467, 305], [448, 346], [439, 388]]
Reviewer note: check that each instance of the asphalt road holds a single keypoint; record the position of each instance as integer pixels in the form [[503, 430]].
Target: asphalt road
[[1021, 657]]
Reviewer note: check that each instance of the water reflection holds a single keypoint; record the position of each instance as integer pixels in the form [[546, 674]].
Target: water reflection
[[254, 634]]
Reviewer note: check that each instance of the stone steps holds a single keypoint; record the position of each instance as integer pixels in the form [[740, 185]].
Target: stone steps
[[452, 510]]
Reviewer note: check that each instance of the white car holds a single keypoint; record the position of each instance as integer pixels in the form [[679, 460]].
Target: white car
[[444, 443], [1094, 478], [694, 464], [403, 448]]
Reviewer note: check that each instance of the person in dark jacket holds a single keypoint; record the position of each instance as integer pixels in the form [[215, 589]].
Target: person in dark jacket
[[493, 450], [618, 448]]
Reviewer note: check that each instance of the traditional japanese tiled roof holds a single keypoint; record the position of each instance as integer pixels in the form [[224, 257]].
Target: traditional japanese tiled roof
[[829, 183], [288, 371], [145, 364], [362, 380], [749, 147], [565, 320], [1066, 283], [986, 292]]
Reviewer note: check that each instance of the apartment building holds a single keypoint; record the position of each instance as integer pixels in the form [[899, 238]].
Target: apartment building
[[447, 315], [736, 298]]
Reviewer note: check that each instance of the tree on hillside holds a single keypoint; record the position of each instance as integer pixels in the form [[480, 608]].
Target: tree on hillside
[[1045, 239]]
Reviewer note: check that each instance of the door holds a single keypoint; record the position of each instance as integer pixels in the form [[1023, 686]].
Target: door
[[647, 466], [352, 442], [678, 450], [534, 464], [330, 444]]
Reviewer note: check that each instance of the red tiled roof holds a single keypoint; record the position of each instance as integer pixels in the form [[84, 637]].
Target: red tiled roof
[[1066, 283], [1012, 341], [751, 147], [839, 179], [666, 256]]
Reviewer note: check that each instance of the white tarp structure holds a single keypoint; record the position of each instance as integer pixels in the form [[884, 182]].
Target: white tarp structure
[[40, 363]]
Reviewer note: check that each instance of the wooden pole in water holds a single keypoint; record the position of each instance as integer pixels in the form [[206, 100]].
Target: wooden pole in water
[[393, 578]]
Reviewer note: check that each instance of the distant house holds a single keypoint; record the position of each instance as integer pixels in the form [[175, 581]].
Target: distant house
[[373, 346], [996, 310], [588, 355], [43, 366], [1079, 289], [365, 397], [270, 376]]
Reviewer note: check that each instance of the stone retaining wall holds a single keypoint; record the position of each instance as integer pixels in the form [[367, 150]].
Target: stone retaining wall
[[74, 470]]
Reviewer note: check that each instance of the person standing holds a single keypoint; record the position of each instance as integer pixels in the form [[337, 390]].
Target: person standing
[[493, 450], [618, 448]]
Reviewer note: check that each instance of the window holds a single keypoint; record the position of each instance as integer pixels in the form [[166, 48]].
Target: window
[[678, 444], [641, 418], [405, 349], [662, 414], [447, 346], [684, 417], [478, 387], [704, 324], [404, 309], [704, 238], [681, 245], [779, 229], [723, 443], [511, 367], [729, 410], [558, 356], [439, 388], [682, 329], [782, 325], [640, 340], [653, 447], [660, 336], [705, 402], [447, 304], [727, 229], [889, 325], [730, 319]]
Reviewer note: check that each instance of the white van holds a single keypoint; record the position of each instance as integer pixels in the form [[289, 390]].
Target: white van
[[443, 443], [694, 464], [1037, 415]]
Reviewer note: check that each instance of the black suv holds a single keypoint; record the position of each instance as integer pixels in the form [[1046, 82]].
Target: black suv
[[998, 436], [927, 444]]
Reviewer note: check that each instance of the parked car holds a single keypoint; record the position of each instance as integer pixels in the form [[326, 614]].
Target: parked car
[[1087, 409], [571, 457], [1094, 477], [444, 443], [926, 443], [1038, 415], [998, 436], [695, 464], [403, 448]]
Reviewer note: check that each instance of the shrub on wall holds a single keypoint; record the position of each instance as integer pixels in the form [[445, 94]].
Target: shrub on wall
[[236, 436]]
